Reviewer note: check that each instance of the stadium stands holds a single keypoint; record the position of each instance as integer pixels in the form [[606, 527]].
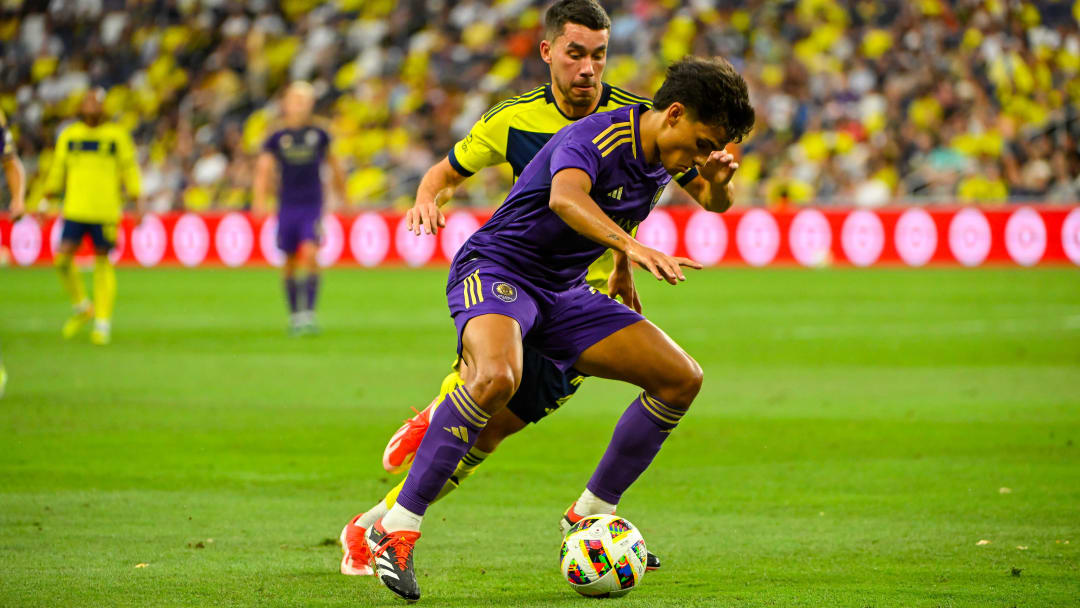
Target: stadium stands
[[860, 103]]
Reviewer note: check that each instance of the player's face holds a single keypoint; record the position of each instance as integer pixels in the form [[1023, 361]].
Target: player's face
[[91, 107], [298, 104], [685, 142], [577, 58]]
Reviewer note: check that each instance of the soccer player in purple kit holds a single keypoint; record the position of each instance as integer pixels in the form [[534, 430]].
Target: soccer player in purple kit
[[299, 150], [520, 279]]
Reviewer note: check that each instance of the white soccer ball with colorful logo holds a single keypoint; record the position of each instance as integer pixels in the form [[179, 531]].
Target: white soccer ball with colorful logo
[[603, 556]]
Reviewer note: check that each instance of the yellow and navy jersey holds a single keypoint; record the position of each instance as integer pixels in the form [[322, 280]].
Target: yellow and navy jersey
[[94, 167], [514, 130], [7, 142]]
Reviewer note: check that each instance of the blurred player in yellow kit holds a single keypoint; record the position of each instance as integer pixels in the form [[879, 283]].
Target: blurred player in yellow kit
[[16, 181], [95, 170]]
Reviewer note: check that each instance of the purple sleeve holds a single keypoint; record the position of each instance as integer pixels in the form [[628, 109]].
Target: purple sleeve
[[576, 155], [271, 144]]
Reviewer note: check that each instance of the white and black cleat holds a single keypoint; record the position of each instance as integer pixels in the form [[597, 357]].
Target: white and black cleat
[[393, 552]]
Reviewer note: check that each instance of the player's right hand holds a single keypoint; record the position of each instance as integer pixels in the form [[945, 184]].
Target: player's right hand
[[425, 214], [662, 266]]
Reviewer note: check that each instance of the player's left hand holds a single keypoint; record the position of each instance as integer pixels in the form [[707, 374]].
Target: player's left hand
[[719, 168], [621, 285], [425, 215]]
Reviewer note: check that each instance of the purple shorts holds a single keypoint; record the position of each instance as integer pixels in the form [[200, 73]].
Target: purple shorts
[[297, 226], [559, 324]]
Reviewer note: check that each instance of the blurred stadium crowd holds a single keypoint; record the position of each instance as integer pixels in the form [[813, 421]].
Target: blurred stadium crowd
[[861, 103]]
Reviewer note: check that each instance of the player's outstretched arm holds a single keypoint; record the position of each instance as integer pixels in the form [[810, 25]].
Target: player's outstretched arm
[[570, 200], [264, 170], [337, 179], [621, 281], [16, 180], [54, 180], [436, 188], [712, 188]]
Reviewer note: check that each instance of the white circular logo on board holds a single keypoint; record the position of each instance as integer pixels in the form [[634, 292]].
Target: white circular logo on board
[[969, 237], [25, 241], [915, 236], [659, 232], [415, 250], [369, 239], [757, 237], [862, 237], [706, 237], [332, 242], [234, 239], [190, 239], [810, 238], [459, 227], [1025, 236], [1070, 235], [148, 241], [268, 242]]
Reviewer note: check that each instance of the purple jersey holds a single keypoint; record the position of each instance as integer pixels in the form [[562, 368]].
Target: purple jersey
[[299, 154], [527, 237]]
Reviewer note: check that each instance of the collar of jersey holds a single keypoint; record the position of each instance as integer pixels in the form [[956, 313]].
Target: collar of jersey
[[605, 94]]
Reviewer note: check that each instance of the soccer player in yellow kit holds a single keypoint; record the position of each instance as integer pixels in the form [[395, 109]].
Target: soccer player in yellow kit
[[16, 181], [95, 168], [513, 131]]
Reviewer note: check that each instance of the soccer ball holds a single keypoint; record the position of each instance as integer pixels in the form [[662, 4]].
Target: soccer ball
[[603, 556]]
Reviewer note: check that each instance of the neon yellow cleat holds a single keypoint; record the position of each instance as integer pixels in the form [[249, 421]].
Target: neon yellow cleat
[[75, 323], [3, 379], [101, 334]]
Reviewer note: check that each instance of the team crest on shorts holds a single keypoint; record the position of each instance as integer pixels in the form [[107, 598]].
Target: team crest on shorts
[[504, 291]]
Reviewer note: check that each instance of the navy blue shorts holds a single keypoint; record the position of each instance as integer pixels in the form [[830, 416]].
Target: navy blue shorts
[[544, 387], [102, 235]]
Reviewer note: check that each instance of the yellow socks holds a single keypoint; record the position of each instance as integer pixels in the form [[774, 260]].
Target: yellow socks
[[69, 278], [104, 288]]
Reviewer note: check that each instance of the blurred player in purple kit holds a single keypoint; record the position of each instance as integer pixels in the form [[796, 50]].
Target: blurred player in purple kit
[[298, 149], [520, 279]]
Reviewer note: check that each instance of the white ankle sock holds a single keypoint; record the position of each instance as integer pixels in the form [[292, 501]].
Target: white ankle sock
[[400, 518], [589, 504], [372, 515]]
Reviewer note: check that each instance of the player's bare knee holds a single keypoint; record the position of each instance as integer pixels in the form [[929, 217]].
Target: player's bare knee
[[682, 385], [492, 386]]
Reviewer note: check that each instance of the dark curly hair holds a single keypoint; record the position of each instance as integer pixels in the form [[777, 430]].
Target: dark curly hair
[[712, 91], [582, 12]]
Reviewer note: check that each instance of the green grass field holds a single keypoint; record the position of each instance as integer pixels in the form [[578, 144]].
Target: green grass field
[[851, 445]]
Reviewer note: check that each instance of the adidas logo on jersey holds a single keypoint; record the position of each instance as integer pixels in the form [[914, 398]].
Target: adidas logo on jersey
[[616, 193], [460, 432]]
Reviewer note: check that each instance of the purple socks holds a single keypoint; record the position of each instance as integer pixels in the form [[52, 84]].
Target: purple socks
[[292, 293], [638, 436], [455, 425], [310, 287]]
